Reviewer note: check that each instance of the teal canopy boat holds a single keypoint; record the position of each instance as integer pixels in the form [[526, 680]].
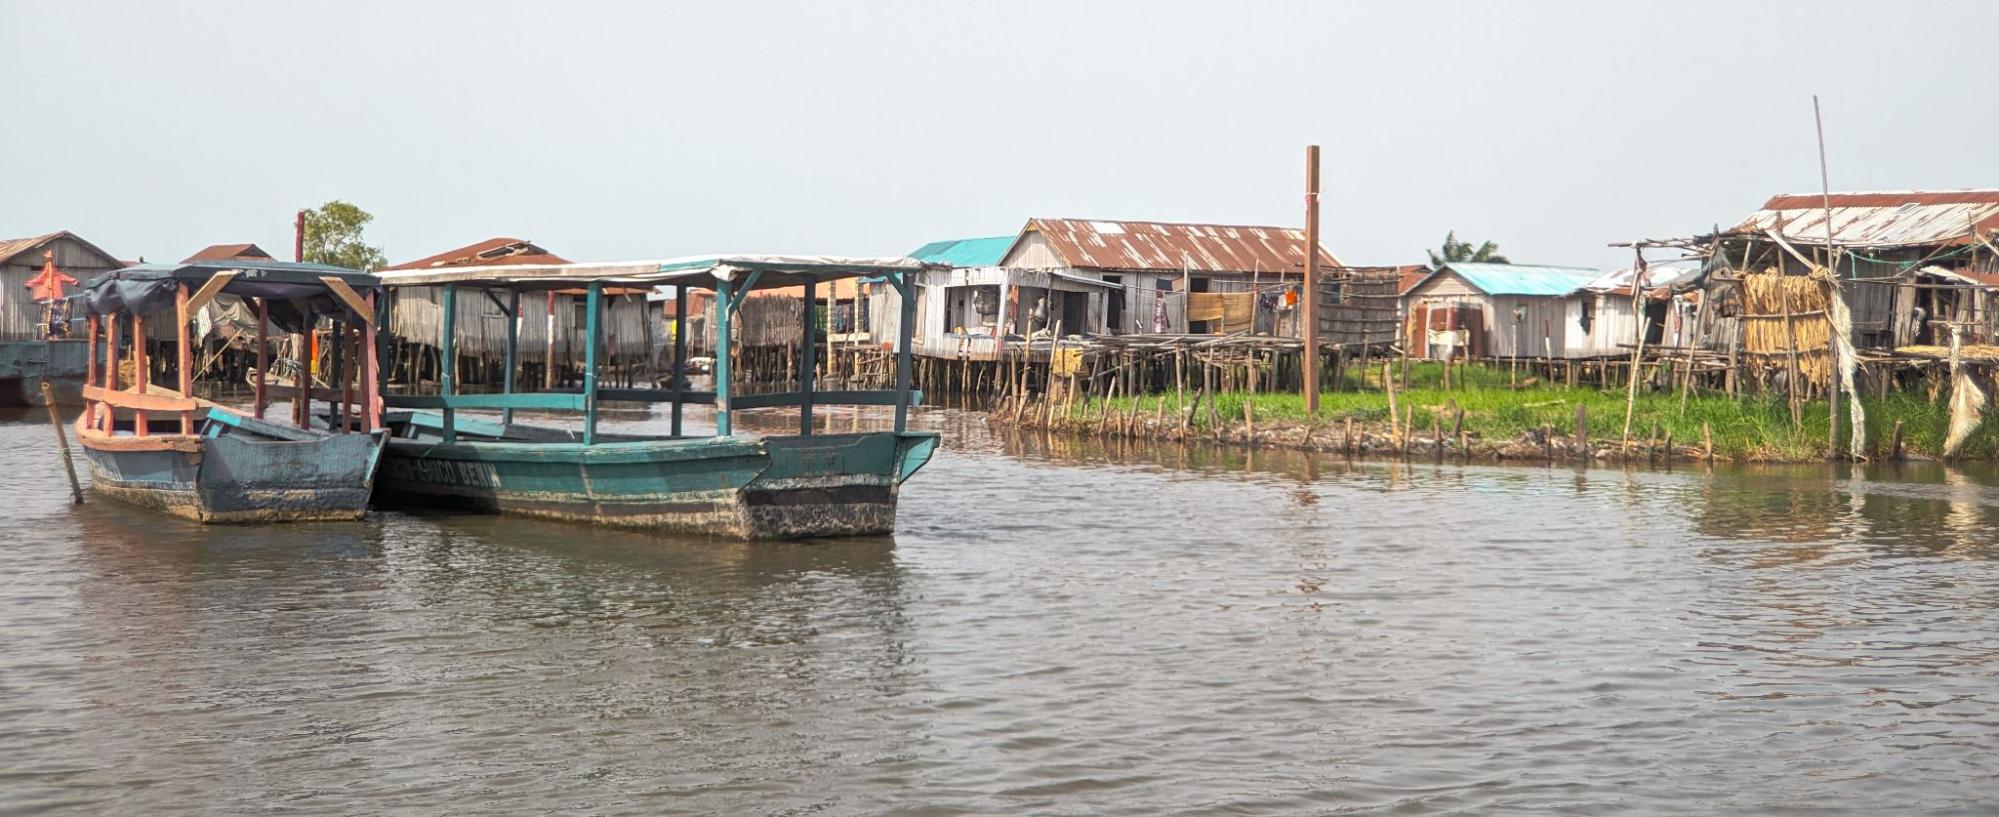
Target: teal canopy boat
[[162, 448], [729, 484]]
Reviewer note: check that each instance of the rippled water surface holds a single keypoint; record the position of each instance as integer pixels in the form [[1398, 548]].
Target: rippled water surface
[[1055, 628]]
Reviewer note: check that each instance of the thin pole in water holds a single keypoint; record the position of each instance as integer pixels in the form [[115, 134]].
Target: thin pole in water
[[62, 443], [1308, 303]]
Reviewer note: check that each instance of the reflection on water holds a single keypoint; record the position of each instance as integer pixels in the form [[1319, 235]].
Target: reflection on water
[[1058, 626]]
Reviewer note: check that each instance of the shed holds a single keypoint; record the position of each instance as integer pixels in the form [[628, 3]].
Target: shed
[[1159, 269], [21, 259], [1495, 310], [1887, 244], [1599, 320], [417, 313], [229, 252]]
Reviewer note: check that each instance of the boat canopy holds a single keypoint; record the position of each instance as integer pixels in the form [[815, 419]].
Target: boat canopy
[[285, 286], [703, 271]]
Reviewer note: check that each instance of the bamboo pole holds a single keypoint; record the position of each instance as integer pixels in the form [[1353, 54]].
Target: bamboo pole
[[1631, 386], [62, 442]]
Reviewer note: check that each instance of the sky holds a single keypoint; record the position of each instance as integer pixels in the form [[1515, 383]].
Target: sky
[[615, 131]]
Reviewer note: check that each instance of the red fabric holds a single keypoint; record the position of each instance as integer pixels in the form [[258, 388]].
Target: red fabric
[[48, 285]]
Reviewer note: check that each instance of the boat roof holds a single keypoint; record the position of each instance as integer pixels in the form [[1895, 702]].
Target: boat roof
[[695, 271], [247, 269], [144, 288]]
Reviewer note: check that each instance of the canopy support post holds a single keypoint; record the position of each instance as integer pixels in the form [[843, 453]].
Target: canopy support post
[[262, 386], [679, 354], [723, 307], [594, 304], [142, 372], [371, 374], [184, 358], [513, 310], [339, 375], [109, 417], [447, 376], [302, 346], [905, 331], [808, 355]]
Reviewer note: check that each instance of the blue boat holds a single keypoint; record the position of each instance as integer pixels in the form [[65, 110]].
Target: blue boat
[[728, 484], [163, 449]]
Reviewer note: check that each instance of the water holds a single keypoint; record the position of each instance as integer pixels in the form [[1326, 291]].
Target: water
[[1056, 628]]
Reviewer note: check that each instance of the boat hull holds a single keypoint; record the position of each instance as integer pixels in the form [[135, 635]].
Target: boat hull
[[738, 487], [231, 480]]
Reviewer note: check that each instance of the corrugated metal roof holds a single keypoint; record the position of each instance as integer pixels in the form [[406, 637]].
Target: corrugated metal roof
[[965, 252], [15, 246], [493, 252], [228, 252], [1900, 218], [1662, 275], [1524, 279], [1162, 247], [12, 247]]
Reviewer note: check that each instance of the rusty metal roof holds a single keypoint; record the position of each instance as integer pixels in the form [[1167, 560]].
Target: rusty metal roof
[[1892, 219], [493, 252], [1159, 246], [13, 247], [228, 252]]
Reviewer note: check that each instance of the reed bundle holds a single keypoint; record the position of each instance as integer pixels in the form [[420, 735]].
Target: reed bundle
[[1767, 298]]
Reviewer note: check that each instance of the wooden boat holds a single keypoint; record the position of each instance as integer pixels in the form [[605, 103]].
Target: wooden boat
[[735, 485], [162, 449]]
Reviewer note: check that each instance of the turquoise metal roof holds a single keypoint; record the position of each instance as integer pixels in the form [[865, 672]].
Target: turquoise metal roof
[[965, 252], [1525, 279]]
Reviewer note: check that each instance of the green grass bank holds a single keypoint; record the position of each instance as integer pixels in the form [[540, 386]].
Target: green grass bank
[[1506, 422]]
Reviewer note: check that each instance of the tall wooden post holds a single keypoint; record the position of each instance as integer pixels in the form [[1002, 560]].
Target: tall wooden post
[[1308, 305], [808, 352], [679, 354], [184, 359], [593, 304]]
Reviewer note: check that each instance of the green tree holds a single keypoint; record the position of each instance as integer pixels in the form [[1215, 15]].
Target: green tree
[[1456, 251], [333, 236]]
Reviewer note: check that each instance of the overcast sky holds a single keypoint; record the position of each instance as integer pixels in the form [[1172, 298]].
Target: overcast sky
[[609, 131]]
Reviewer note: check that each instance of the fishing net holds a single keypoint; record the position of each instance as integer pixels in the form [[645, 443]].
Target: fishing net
[[1967, 400], [1842, 337]]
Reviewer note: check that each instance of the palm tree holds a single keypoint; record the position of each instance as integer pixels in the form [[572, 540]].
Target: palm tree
[[1456, 251]]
